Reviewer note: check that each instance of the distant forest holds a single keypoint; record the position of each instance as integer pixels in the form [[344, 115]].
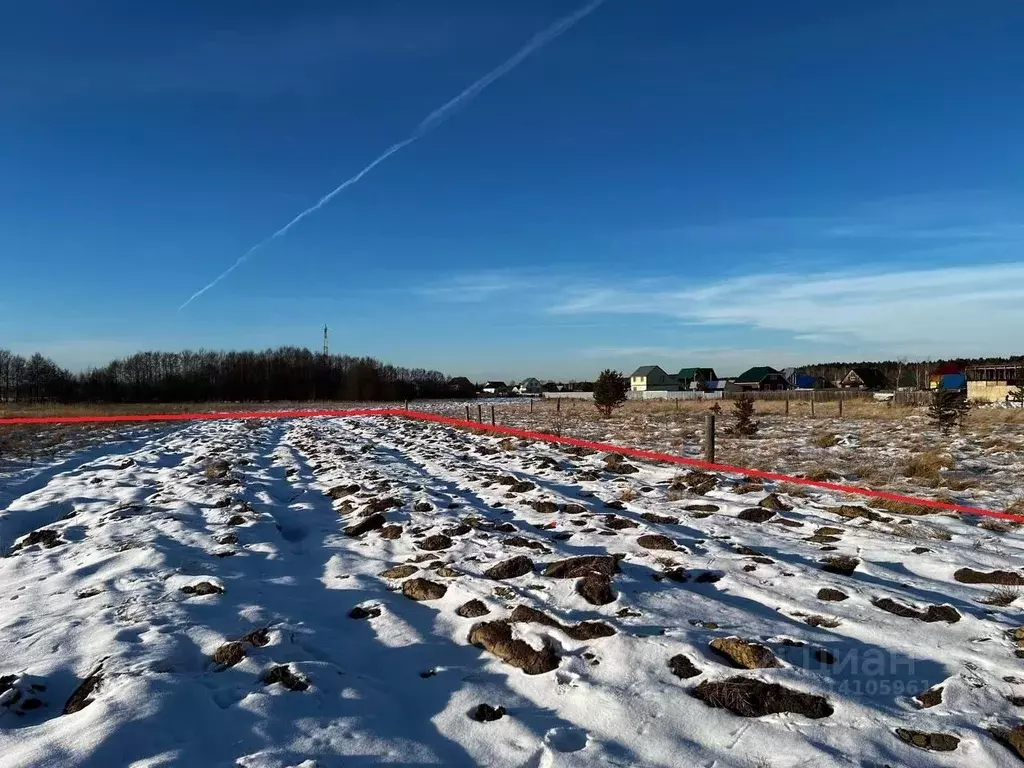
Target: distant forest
[[288, 373], [911, 373]]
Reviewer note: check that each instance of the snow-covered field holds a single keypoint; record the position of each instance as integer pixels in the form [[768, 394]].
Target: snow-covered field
[[321, 593]]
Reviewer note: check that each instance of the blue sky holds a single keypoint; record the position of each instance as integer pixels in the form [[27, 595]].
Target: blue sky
[[672, 182]]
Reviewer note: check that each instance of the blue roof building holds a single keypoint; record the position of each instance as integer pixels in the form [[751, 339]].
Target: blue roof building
[[953, 382]]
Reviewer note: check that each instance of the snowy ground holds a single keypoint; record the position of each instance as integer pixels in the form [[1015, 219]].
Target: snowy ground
[[873, 445], [111, 655]]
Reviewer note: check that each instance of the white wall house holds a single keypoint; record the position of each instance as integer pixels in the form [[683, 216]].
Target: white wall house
[[649, 378], [529, 386]]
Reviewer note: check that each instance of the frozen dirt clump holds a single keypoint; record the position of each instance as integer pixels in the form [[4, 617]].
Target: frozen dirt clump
[[202, 588], [655, 541], [485, 713], [228, 654], [436, 542], [520, 565], [596, 589], [473, 609], [371, 523], [282, 674], [400, 572], [747, 697], [496, 637], [575, 567], [936, 742], [1005, 578], [933, 613], [585, 630], [744, 654], [423, 589], [682, 667], [82, 695]]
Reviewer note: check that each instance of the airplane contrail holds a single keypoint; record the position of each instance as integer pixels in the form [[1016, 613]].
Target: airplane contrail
[[431, 121]]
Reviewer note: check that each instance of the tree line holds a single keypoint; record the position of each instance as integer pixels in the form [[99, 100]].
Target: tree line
[[287, 373], [910, 373]]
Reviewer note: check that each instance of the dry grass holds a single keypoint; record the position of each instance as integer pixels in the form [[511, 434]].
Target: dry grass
[[823, 475], [918, 531], [1001, 444], [1002, 596], [11, 410], [927, 466], [796, 491], [997, 526], [824, 440], [960, 483], [1016, 507], [903, 507]]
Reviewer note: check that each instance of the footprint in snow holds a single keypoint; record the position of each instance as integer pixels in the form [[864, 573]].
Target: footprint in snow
[[566, 739]]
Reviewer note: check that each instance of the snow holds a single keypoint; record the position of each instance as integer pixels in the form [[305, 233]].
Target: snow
[[138, 519]]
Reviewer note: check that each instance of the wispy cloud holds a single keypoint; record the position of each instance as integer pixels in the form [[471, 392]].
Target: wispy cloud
[[476, 287], [950, 310]]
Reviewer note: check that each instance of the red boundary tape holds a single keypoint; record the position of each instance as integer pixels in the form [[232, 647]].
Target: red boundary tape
[[523, 433]]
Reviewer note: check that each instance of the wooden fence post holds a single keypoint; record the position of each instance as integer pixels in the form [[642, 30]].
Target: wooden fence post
[[709, 437], [787, 405], [812, 403], [558, 404], [531, 405], [492, 415], [479, 413], [467, 412]]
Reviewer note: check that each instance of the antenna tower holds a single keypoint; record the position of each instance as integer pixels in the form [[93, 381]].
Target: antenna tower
[[325, 342]]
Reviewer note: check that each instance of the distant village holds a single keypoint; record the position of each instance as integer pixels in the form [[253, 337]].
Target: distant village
[[991, 383]]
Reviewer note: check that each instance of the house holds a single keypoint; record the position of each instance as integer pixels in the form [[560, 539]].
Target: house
[[460, 386], [499, 388], [549, 386], [953, 382], [863, 378], [722, 386], [943, 370], [994, 383], [695, 378], [530, 386], [649, 378], [807, 381], [761, 378]]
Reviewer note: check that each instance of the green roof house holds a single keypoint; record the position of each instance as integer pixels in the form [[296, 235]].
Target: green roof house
[[761, 378], [695, 378]]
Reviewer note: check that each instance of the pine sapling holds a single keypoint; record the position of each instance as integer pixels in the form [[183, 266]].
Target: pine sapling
[[743, 415], [610, 391]]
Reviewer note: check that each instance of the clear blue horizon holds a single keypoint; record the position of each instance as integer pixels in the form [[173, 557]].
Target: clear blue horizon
[[667, 182]]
